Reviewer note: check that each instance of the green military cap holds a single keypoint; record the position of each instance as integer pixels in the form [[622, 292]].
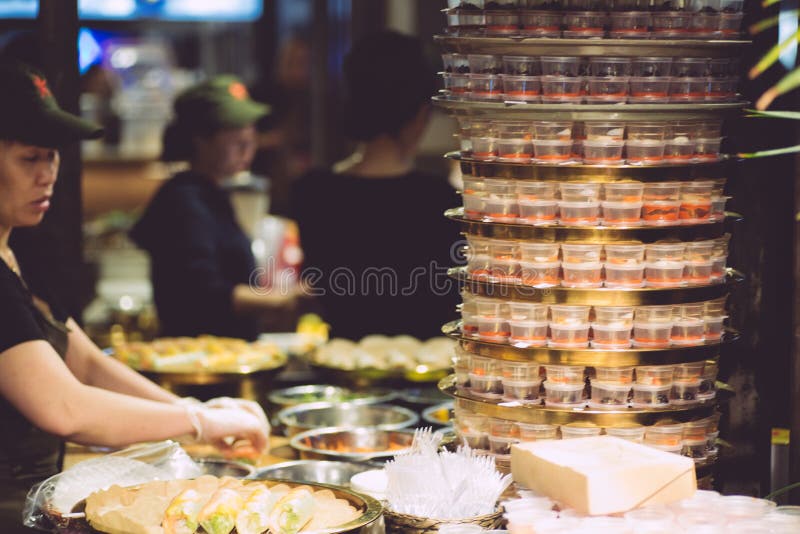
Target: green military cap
[[30, 114], [222, 101]]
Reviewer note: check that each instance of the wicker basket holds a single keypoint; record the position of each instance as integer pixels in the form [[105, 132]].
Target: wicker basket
[[412, 524]]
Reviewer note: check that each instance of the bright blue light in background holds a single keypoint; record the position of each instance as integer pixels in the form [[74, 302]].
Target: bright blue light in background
[[89, 50], [175, 10]]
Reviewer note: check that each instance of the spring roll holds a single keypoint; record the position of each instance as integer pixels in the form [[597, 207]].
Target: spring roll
[[218, 516], [292, 512], [254, 516], [181, 514]]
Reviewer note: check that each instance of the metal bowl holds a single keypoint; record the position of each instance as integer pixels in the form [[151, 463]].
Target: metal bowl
[[327, 393], [351, 444], [438, 415], [345, 415], [322, 472], [225, 468]]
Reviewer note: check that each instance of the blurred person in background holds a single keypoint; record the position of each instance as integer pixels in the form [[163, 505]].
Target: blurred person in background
[[202, 266], [55, 384], [373, 217]]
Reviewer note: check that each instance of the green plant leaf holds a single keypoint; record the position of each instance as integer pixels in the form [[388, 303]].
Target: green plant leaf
[[773, 54], [769, 22], [767, 3], [786, 84], [791, 115], [783, 490], [768, 153]]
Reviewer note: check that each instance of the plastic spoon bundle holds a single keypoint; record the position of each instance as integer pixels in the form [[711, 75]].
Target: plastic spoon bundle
[[443, 485]]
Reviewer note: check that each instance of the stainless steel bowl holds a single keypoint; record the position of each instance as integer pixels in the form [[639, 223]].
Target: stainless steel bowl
[[351, 444], [224, 468], [345, 415], [327, 393], [322, 472], [438, 415]]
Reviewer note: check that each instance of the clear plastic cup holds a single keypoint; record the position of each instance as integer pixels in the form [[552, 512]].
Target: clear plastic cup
[[652, 335], [651, 67], [584, 24], [493, 329], [477, 256], [707, 521], [690, 67], [698, 272], [525, 88], [485, 64], [540, 23], [579, 191], [587, 5], [707, 148], [523, 391], [485, 87], [714, 327], [646, 131], [607, 89], [580, 430], [695, 429], [705, 25], [483, 147], [689, 371], [718, 207], [501, 445], [500, 208], [674, 24], [456, 84], [582, 274], [722, 89], [634, 432], [563, 314], [502, 23], [649, 89], [470, 422], [644, 152], [664, 274], [478, 441], [604, 131], [558, 89], [504, 269], [736, 507], [610, 66], [708, 387], [688, 311], [563, 394], [553, 130], [662, 191], [539, 252], [684, 393], [562, 66], [688, 332], [488, 307], [622, 213], [514, 150], [624, 254], [569, 335], [665, 252], [679, 150], [709, 129], [536, 431], [527, 333], [665, 435], [602, 152], [520, 370], [650, 396], [547, 274], [609, 396], [653, 314], [630, 25], [614, 375], [565, 374], [536, 190], [579, 213], [688, 89], [538, 211], [521, 65], [618, 316], [730, 25], [552, 151], [527, 311], [486, 386], [624, 275], [655, 375], [661, 212], [581, 252], [699, 250], [611, 337], [455, 63], [473, 206], [696, 201]]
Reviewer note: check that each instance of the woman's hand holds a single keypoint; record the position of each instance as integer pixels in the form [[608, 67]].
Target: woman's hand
[[218, 425]]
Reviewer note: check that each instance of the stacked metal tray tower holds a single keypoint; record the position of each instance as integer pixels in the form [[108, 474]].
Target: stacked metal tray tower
[[487, 417]]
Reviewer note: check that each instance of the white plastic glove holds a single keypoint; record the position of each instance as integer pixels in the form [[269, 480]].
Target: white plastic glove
[[249, 406], [216, 425]]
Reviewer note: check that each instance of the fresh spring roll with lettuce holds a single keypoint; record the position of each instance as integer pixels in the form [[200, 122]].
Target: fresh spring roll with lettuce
[[181, 514], [254, 517], [292, 512], [218, 516]]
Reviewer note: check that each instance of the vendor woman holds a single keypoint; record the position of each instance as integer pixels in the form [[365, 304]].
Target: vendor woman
[[55, 384], [202, 264]]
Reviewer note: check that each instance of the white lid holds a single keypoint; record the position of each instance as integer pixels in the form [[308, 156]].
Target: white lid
[[374, 483]]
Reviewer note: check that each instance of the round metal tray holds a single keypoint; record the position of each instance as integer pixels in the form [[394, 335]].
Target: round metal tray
[[554, 416], [593, 173], [590, 357], [368, 377], [593, 234], [588, 112], [537, 46], [597, 296]]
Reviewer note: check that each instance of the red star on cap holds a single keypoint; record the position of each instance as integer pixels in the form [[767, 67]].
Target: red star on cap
[[238, 90], [41, 86]]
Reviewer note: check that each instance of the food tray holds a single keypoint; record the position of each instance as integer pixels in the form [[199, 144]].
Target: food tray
[[363, 378], [537, 46], [578, 172], [592, 357], [588, 112], [555, 416]]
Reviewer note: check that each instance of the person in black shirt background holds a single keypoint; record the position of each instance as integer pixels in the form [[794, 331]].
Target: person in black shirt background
[[372, 229], [202, 265]]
